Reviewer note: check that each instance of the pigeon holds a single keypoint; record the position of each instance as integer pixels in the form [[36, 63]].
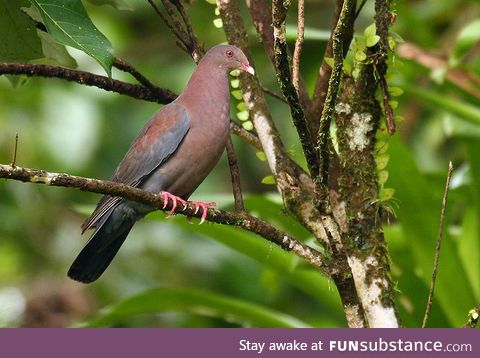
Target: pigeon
[[172, 155]]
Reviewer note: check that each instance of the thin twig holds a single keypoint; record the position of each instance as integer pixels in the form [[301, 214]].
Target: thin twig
[[195, 49], [14, 161], [180, 36], [242, 220], [360, 7], [298, 46], [126, 67], [273, 94], [235, 174], [439, 244]]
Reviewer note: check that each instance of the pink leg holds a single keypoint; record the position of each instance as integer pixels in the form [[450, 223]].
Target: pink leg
[[204, 207], [166, 196]]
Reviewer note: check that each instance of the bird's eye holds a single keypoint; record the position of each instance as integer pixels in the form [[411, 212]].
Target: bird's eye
[[229, 53]]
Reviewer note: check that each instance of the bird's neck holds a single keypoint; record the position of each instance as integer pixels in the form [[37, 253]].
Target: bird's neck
[[208, 85]]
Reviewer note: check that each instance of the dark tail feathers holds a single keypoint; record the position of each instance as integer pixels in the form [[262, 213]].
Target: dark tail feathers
[[100, 250]]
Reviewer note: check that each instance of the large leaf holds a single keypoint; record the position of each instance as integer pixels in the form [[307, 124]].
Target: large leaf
[[411, 289], [285, 264], [51, 49], [197, 302], [463, 110], [69, 24], [19, 40], [418, 212], [468, 37]]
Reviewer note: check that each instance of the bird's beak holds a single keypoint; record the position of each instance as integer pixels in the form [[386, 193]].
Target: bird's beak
[[247, 68]]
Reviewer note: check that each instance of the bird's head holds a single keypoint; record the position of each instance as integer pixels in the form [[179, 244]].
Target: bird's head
[[230, 58]]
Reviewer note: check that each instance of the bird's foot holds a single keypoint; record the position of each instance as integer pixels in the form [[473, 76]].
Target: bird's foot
[[166, 196], [204, 206]]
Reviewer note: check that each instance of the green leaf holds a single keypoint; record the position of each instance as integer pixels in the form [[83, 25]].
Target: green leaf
[[395, 91], [270, 208], [218, 23], [69, 24], [382, 160], [463, 110], [56, 52], [248, 125], [386, 194], [196, 302], [242, 106], [468, 37], [382, 177], [419, 213], [372, 40], [261, 156], [370, 30], [235, 83], [243, 115], [360, 56], [19, 40], [268, 180], [237, 94]]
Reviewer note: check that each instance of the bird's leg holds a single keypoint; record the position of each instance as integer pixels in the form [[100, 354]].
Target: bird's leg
[[204, 207], [166, 195]]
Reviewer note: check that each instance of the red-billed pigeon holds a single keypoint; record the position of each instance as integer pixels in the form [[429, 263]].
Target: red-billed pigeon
[[171, 156]]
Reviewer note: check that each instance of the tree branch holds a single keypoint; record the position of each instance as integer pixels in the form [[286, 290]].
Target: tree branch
[[176, 32], [298, 45], [284, 77], [126, 67], [383, 20], [261, 13], [338, 36], [159, 95], [241, 220], [439, 245], [325, 71], [235, 173]]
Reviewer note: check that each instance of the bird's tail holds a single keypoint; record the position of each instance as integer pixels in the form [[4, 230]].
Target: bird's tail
[[98, 253]]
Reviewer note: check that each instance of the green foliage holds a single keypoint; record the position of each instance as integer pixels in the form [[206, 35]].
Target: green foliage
[[197, 302], [19, 41], [68, 22], [466, 40], [71, 128]]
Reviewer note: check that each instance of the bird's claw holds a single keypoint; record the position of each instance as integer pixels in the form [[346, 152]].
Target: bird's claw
[[166, 196], [204, 206]]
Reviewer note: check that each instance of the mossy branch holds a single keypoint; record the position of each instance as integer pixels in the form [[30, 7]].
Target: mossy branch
[[240, 219]]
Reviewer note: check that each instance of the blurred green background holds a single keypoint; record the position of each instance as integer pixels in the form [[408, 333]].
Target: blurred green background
[[173, 274]]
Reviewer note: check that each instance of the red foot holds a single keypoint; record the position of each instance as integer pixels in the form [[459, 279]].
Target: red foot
[[204, 206], [166, 196]]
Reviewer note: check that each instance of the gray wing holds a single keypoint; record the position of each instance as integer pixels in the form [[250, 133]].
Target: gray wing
[[157, 141]]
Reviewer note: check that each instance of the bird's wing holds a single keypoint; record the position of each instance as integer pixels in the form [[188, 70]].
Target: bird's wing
[[157, 141]]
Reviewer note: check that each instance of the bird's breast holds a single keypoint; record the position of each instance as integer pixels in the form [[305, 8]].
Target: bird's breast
[[198, 153]]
